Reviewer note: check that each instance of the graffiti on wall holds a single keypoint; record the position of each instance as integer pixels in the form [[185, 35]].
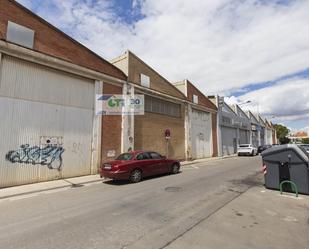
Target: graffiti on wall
[[49, 155]]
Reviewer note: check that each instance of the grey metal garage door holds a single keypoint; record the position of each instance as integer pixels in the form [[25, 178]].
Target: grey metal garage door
[[229, 140]]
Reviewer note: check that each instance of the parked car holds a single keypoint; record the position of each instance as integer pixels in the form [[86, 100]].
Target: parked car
[[263, 147], [247, 149], [135, 165], [305, 147]]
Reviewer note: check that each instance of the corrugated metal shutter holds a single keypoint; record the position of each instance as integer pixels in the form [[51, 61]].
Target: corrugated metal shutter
[[244, 137], [201, 134], [46, 123], [229, 140]]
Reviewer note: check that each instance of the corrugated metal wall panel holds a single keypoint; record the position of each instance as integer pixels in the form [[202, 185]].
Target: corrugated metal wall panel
[[28, 121], [201, 130], [229, 140], [26, 80], [244, 137]]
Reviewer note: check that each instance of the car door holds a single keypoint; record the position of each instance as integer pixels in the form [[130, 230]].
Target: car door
[[144, 162], [159, 163]]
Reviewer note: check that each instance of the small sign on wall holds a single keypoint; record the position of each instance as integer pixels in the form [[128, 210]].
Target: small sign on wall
[[49, 140], [111, 153]]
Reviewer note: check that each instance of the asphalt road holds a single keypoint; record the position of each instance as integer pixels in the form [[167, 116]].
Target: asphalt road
[[150, 214]]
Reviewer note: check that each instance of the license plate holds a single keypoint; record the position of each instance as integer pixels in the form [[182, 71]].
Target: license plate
[[106, 166]]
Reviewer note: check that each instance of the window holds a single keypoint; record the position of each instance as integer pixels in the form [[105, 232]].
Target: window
[[125, 156], [195, 99], [143, 156], [155, 155], [162, 107], [145, 80], [226, 120], [20, 35]]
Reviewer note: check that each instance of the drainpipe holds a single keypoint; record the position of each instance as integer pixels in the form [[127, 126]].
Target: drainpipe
[[219, 135]]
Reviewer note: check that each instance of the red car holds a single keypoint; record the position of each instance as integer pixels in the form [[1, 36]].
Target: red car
[[135, 165]]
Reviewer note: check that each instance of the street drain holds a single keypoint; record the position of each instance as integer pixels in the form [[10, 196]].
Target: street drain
[[76, 185], [173, 189]]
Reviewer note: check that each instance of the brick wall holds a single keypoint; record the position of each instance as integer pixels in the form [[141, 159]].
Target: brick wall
[[111, 127], [214, 134], [157, 82], [149, 134], [49, 40], [202, 99]]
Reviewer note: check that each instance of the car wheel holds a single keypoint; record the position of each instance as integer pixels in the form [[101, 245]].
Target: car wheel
[[175, 168], [136, 176], [252, 153]]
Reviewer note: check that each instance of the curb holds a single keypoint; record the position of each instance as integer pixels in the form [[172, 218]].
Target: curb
[[210, 159], [48, 189]]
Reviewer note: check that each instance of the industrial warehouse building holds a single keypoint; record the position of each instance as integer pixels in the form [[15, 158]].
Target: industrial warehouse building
[[244, 125], [255, 130], [48, 84], [234, 126], [164, 110], [49, 128], [201, 123]]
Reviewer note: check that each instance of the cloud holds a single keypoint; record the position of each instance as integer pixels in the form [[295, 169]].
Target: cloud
[[287, 100], [221, 46]]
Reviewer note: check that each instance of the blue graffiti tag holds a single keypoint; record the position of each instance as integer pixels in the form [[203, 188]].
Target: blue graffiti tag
[[50, 156]]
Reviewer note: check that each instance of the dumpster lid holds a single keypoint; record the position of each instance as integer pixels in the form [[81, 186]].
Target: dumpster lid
[[301, 152]]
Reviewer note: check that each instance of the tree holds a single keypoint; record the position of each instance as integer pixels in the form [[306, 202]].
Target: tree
[[282, 133], [305, 140]]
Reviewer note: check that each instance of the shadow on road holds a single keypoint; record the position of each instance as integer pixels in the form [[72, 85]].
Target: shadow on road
[[125, 182]]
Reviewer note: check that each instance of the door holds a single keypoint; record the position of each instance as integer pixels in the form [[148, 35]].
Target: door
[[244, 136], [46, 123], [201, 130], [145, 163], [159, 163], [229, 140]]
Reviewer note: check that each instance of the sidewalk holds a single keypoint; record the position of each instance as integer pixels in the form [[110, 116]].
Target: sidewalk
[[70, 182], [208, 159], [50, 185], [259, 218]]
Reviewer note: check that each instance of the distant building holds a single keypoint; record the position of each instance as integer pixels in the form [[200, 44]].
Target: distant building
[[298, 137]]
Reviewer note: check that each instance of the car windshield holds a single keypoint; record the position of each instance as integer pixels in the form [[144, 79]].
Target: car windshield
[[125, 156], [306, 147]]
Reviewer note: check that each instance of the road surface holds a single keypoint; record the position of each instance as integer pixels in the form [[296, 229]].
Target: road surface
[[150, 214]]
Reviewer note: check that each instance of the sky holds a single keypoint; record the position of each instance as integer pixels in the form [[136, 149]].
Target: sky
[[245, 50]]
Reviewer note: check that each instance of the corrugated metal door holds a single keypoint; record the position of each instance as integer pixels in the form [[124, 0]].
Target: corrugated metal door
[[201, 134], [46, 123], [229, 140], [244, 137], [255, 140]]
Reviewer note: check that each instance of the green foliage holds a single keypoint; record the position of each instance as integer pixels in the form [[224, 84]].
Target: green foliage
[[282, 133], [305, 140]]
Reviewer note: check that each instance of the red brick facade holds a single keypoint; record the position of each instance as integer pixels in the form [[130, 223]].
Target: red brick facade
[[214, 134], [111, 127], [49, 40], [204, 101]]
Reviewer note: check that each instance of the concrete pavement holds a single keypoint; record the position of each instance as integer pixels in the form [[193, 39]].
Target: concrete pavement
[[256, 219], [156, 213]]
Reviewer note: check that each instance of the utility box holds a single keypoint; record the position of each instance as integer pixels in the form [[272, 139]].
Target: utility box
[[286, 162]]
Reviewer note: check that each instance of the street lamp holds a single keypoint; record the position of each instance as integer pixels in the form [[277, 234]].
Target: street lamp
[[244, 103]]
